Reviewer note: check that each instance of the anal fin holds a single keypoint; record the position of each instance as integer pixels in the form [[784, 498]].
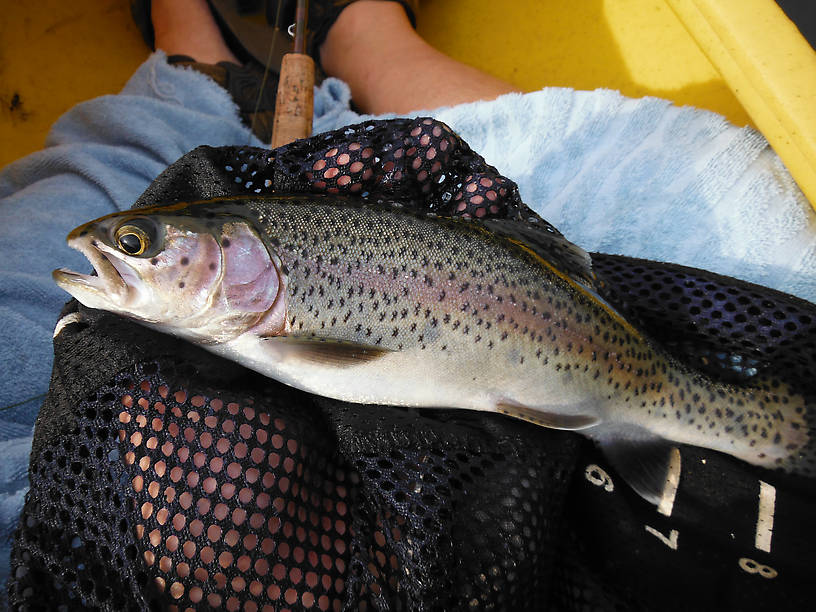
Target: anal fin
[[649, 464]]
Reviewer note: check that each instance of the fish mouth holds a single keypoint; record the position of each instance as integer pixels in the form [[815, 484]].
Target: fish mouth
[[111, 283]]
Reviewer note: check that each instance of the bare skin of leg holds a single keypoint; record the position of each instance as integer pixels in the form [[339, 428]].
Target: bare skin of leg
[[390, 68], [187, 27], [371, 46]]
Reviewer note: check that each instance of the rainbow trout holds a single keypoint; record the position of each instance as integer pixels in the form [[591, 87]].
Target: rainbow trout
[[374, 304]]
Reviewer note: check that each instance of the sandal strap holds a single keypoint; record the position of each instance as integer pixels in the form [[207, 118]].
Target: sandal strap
[[247, 39]]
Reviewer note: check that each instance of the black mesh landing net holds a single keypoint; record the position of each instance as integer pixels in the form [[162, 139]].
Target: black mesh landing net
[[165, 478]]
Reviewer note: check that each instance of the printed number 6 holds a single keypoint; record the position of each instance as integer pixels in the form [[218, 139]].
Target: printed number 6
[[752, 567], [597, 476]]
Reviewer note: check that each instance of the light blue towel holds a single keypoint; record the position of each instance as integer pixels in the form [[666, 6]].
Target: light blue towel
[[636, 177]]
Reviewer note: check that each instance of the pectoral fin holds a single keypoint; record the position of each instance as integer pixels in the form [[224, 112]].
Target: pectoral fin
[[326, 351], [545, 418]]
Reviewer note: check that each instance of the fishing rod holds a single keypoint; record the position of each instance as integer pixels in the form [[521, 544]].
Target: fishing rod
[[295, 98]]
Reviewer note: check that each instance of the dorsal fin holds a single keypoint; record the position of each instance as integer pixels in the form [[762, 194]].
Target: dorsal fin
[[561, 257], [550, 245]]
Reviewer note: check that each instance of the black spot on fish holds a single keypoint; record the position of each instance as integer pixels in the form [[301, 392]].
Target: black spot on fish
[[226, 243], [181, 285]]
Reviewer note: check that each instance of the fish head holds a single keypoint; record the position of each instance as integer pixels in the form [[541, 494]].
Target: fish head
[[207, 279]]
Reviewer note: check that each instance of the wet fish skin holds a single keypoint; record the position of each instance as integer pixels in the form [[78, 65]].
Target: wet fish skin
[[378, 305]]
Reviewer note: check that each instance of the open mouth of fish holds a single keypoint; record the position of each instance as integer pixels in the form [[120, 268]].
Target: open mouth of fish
[[111, 276]]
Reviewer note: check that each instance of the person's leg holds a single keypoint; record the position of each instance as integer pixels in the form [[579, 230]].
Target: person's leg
[[188, 33], [390, 68], [372, 46], [187, 27]]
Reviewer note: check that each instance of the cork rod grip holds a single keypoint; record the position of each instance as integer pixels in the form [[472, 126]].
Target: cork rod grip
[[295, 100]]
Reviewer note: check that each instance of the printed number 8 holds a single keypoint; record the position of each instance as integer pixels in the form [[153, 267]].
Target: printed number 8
[[752, 567]]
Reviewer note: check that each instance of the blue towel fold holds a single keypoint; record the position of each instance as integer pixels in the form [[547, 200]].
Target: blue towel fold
[[636, 177]]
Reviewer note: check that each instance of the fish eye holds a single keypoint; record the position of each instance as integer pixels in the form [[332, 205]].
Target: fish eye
[[134, 237]]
